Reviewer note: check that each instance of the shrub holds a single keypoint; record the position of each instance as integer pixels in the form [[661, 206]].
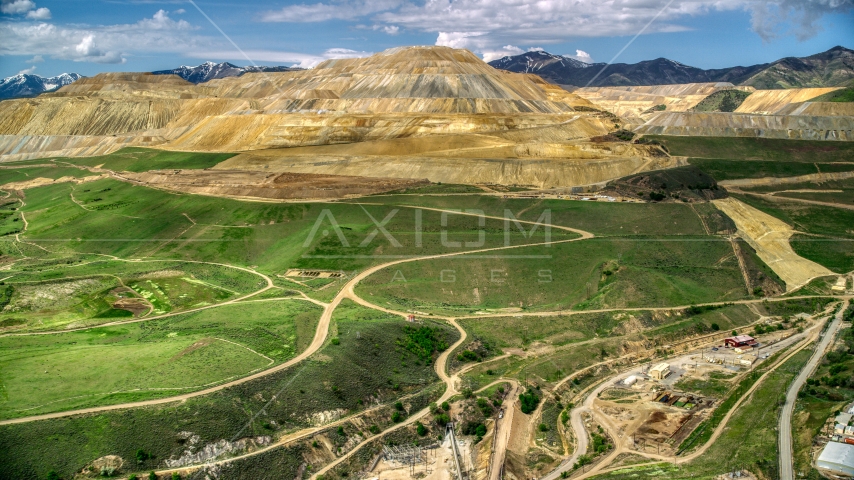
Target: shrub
[[132, 476], [399, 406], [142, 455], [397, 417], [446, 406], [336, 341], [543, 427], [443, 419], [374, 429], [529, 401], [152, 476], [420, 429], [52, 475], [716, 327], [176, 476]]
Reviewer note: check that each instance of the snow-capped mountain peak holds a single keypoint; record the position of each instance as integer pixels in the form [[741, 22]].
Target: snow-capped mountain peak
[[28, 85], [210, 71]]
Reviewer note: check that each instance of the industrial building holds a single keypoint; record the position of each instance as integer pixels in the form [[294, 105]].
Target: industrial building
[[740, 341], [837, 458], [660, 371]]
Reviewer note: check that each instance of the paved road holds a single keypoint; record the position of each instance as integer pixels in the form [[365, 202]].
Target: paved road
[[786, 454]]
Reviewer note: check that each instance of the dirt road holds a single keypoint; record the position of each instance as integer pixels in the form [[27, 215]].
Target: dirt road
[[501, 435]]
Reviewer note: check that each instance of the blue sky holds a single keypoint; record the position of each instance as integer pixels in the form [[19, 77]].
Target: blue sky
[[49, 37]]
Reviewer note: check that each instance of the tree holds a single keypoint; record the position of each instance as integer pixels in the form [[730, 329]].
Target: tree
[[152, 476], [396, 417], [443, 419], [399, 406], [529, 401], [420, 429], [446, 406], [52, 475], [142, 455], [734, 333], [716, 327]]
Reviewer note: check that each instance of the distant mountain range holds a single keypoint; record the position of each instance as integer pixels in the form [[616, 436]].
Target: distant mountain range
[[26, 85], [834, 67], [210, 70]]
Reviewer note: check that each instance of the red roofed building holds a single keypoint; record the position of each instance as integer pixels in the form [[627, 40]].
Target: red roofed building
[[740, 341]]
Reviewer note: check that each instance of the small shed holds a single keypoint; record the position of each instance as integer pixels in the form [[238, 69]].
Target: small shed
[[660, 371], [837, 458], [839, 429]]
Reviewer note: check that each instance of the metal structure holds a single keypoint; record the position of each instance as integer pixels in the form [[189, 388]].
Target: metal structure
[[455, 450], [404, 455]]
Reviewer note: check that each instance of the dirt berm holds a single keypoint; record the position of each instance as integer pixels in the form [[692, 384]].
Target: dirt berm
[[769, 236], [792, 127]]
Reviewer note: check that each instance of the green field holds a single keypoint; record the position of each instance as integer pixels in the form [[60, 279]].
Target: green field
[[74, 292], [138, 159], [726, 169], [522, 331], [832, 191], [745, 148], [115, 218], [715, 386], [373, 361], [179, 354], [588, 274], [42, 169], [600, 218]]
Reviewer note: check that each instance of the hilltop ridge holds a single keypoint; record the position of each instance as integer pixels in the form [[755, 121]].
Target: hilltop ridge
[[833, 67]]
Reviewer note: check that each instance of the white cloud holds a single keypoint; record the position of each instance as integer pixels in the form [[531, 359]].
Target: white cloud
[[769, 19], [536, 49], [180, 11], [582, 56], [505, 51], [39, 14], [102, 43], [320, 12], [470, 40], [16, 7], [27, 71], [36, 59]]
